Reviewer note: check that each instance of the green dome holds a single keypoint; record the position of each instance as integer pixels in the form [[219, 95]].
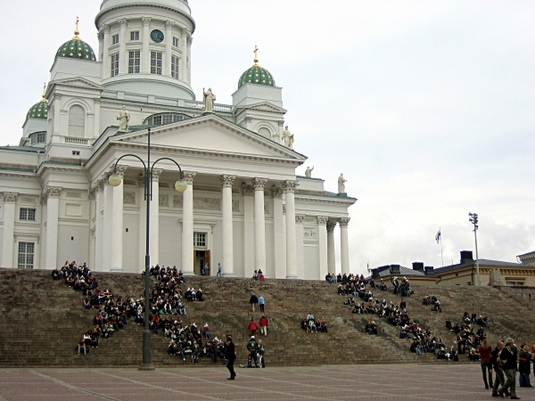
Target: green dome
[[256, 75], [38, 110], [76, 48]]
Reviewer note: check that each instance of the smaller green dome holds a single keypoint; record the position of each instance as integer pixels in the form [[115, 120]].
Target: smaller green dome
[[38, 110], [256, 75], [76, 48]]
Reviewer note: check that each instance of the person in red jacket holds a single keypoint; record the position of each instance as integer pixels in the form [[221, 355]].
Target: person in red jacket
[[263, 325], [484, 352], [252, 327]]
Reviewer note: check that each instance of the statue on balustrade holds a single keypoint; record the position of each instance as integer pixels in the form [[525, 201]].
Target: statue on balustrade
[[208, 99], [123, 118]]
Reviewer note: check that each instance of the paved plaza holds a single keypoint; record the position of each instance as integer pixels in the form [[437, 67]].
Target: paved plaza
[[346, 382]]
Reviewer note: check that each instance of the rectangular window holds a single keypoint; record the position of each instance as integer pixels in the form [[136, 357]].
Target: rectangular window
[[115, 39], [134, 35], [27, 214], [167, 119], [175, 41], [26, 251], [157, 120], [115, 64], [134, 61], [174, 66], [156, 63], [199, 240]]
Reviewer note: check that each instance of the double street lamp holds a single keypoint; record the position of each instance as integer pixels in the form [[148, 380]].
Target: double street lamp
[[473, 218], [180, 186]]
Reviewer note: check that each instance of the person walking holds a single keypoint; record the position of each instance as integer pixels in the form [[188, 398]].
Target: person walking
[[252, 327], [494, 360], [253, 301], [524, 366], [219, 270], [508, 357], [485, 351], [230, 356], [263, 325], [261, 303]]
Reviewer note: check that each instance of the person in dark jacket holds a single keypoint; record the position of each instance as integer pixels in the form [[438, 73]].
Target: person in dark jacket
[[524, 366], [508, 356], [230, 356], [498, 369]]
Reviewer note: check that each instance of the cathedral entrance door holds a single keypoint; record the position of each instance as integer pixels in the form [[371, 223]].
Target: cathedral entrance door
[[202, 258]]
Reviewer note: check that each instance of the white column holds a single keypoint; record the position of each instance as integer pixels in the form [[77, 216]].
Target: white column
[[123, 57], [183, 73], [52, 221], [228, 234], [291, 244], [260, 224], [331, 264], [166, 69], [322, 246], [155, 218], [116, 239], [9, 229], [299, 245], [248, 230], [99, 225], [145, 53], [187, 224], [106, 72], [188, 61], [344, 244], [278, 232]]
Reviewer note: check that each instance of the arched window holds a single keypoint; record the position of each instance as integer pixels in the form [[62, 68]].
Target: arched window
[[76, 122], [265, 132], [165, 118]]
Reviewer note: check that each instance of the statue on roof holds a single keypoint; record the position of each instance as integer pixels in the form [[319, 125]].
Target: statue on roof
[[208, 99], [288, 138], [308, 171], [123, 118], [341, 184]]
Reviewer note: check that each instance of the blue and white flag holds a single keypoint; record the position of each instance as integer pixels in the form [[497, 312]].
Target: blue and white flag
[[438, 236]]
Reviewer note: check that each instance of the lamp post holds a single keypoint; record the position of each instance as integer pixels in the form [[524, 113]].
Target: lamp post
[[473, 218], [180, 186]]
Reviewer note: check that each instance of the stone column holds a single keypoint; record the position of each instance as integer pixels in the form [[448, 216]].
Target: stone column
[[145, 52], [106, 72], [278, 232], [116, 216], [166, 68], [344, 244], [155, 218], [187, 224], [99, 225], [259, 224], [188, 60], [9, 230], [52, 221], [331, 264], [299, 245], [291, 244], [322, 246], [123, 57], [248, 229], [183, 55], [228, 232]]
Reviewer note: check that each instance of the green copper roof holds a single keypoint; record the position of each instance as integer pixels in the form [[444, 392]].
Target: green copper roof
[[38, 110], [76, 48], [256, 75]]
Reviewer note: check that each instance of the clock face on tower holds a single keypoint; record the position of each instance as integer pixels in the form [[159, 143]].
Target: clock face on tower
[[157, 35]]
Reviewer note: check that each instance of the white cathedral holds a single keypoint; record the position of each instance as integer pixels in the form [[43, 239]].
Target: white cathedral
[[243, 206]]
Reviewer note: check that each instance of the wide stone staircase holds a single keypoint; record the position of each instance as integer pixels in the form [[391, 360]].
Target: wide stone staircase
[[44, 319]]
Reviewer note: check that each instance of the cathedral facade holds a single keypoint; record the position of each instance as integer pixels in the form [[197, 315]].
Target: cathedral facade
[[128, 110]]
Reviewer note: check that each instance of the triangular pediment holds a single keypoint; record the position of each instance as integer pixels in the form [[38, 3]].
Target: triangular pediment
[[212, 134], [77, 82], [265, 107]]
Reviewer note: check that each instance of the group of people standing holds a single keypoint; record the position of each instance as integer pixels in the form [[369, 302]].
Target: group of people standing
[[505, 360]]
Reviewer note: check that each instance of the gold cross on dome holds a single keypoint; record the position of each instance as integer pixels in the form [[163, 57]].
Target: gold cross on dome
[[255, 51]]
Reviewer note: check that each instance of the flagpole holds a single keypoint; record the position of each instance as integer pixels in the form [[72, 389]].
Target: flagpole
[[441, 257]]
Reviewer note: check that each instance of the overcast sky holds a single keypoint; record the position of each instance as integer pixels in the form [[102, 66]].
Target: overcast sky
[[427, 107]]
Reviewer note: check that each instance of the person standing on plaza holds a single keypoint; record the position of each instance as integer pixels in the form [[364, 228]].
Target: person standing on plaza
[[524, 366], [230, 356], [500, 379], [508, 357], [219, 270], [261, 303], [485, 351]]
